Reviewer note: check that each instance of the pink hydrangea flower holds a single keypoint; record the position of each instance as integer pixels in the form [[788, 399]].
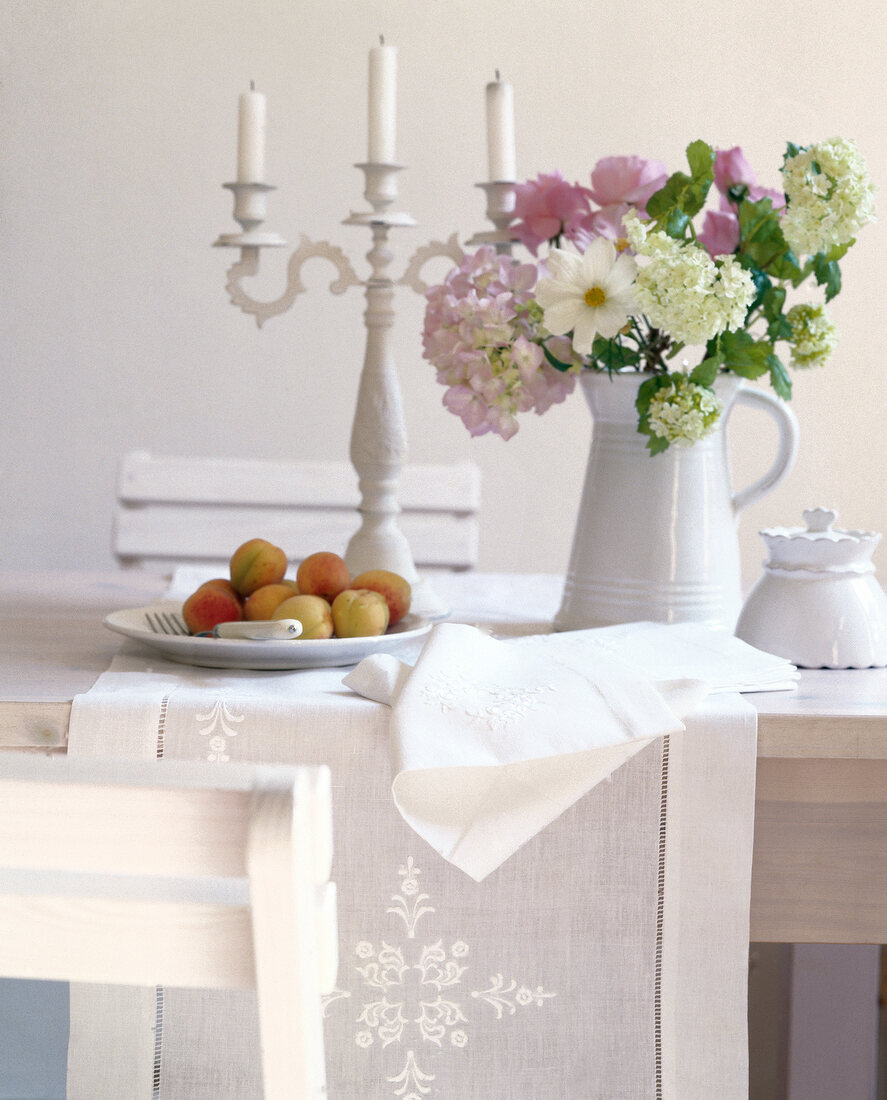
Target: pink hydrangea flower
[[484, 345], [547, 207]]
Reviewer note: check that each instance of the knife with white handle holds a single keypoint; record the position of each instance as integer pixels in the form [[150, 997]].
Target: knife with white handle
[[269, 630]]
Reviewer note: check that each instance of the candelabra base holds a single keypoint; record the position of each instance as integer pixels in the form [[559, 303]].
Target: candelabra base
[[426, 602]]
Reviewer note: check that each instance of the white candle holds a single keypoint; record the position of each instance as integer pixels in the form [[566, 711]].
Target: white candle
[[500, 130], [251, 138], [382, 104]]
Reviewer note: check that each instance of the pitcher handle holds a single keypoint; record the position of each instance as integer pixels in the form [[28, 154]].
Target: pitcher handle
[[787, 450]]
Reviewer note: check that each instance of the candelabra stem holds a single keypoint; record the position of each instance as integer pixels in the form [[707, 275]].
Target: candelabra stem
[[378, 435], [379, 441]]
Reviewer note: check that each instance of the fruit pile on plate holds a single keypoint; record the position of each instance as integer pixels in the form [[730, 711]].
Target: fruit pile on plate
[[324, 597]]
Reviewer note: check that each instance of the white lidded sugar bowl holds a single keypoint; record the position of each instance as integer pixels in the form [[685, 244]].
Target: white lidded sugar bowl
[[818, 603]]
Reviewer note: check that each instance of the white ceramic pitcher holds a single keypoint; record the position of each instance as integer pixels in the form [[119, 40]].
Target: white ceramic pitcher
[[656, 537]]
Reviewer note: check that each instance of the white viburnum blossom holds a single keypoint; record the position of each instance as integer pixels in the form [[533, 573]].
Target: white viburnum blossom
[[830, 196], [587, 293], [687, 294], [683, 412], [814, 335]]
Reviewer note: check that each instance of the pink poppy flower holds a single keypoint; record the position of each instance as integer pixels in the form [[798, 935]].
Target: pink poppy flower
[[731, 168], [720, 232], [632, 180], [776, 197], [546, 207], [606, 222]]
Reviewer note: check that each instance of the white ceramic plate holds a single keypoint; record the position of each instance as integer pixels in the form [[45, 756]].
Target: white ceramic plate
[[234, 653]]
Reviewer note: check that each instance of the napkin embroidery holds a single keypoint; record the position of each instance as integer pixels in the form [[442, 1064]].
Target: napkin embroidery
[[495, 706], [423, 999]]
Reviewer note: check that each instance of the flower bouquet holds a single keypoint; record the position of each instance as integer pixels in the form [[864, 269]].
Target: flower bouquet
[[631, 282]]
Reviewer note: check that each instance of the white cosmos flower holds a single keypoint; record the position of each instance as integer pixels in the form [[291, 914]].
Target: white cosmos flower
[[587, 294]]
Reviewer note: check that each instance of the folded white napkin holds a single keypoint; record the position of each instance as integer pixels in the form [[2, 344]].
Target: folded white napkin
[[671, 651], [493, 740]]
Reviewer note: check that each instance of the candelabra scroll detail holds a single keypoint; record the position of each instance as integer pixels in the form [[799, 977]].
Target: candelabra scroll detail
[[248, 265], [449, 249]]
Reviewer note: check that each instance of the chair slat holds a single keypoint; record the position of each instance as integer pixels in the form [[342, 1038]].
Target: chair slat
[[127, 943], [173, 509], [136, 873]]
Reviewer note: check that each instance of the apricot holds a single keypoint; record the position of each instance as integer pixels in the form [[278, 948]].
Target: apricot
[[209, 605], [360, 613], [313, 612], [323, 574], [262, 603], [392, 586], [256, 563], [224, 584]]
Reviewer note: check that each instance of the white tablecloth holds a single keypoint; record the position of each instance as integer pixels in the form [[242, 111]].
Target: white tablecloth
[[605, 960]]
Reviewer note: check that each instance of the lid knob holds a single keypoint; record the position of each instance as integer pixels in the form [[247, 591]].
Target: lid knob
[[819, 519]]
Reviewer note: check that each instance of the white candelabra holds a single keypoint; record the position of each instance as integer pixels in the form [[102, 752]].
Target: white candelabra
[[378, 436]]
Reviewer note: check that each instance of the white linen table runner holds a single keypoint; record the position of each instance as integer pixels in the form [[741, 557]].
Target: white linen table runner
[[604, 959]]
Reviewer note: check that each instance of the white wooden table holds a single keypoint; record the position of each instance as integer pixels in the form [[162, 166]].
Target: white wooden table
[[821, 814]]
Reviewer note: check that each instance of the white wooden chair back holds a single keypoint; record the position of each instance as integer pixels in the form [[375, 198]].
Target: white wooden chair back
[[174, 510], [168, 873]]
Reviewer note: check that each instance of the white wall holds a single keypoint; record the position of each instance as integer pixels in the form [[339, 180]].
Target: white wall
[[117, 128]]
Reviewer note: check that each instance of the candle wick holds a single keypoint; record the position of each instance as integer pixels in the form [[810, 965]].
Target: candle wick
[[381, 39], [497, 75], [252, 85]]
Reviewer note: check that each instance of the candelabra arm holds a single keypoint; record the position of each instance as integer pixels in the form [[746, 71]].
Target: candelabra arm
[[248, 265], [412, 277]]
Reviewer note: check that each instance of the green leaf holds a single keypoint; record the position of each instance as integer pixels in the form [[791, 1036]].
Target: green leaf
[[556, 363], [744, 355], [839, 251], [779, 329], [773, 302], [779, 377], [669, 197], [676, 224], [706, 372], [827, 274], [683, 196], [761, 240], [759, 278], [646, 391], [613, 354], [701, 158]]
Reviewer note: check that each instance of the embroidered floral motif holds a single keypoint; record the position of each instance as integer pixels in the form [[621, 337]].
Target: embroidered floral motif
[[492, 705], [499, 996], [425, 998], [219, 730], [411, 1077], [410, 911]]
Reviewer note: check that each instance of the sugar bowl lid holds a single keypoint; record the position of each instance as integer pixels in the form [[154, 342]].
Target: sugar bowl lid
[[820, 547]]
